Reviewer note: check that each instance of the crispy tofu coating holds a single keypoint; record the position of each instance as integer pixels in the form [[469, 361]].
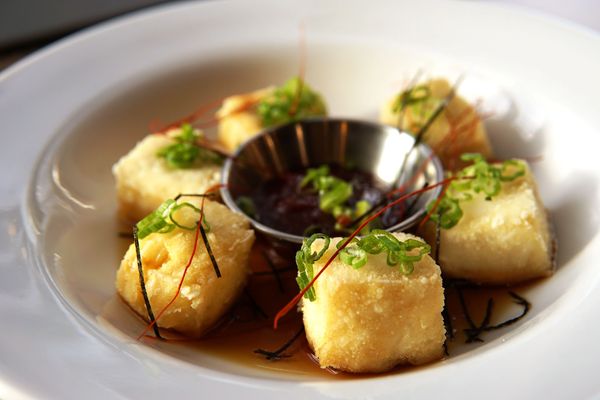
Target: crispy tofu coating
[[504, 240], [238, 120], [203, 298], [144, 180], [374, 318], [457, 130]]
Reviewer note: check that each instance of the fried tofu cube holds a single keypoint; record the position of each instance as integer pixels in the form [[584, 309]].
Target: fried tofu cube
[[457, 130], [504, 240], [204, 297], [374, 318], [144, 180], [238, 120]]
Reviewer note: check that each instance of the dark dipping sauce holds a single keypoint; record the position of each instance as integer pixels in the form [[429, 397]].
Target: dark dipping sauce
[[281, 203]]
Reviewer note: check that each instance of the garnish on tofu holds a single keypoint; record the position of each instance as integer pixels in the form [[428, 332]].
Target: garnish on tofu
[[354, 253], [484, 178], [399, 253], [456, 129], [293, 101], [186, 152], [167, 252], [416, 97], [163, 219], [305, 258]]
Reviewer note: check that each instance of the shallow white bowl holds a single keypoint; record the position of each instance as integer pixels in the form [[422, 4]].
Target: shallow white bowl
[[78, 105]]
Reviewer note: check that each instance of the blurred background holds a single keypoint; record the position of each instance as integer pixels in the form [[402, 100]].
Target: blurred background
[[26, 25]]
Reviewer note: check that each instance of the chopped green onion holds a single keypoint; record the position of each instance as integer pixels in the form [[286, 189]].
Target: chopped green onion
[[516, 167], [162, 220], [417, 94], [314, 175], [353, 256], [480, 177], [333, 192], [293, 101], [448, 212], [337, 192], [156, 221], [305, 260], [185, 152]]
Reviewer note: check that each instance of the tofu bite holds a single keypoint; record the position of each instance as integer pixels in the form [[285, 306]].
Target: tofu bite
[[243, 116], [238, 119], [457, 130], [145, 180], [374, 318], [204, 297], [504, 240]]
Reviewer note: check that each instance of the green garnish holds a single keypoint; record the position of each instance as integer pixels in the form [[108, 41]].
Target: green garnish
[[448, 212], [480, 177], [293, 101], [355, 254], [417, 94], [185, 152], [305, 260], [421, 103], [378, 241], [162, 220], [333, 192]]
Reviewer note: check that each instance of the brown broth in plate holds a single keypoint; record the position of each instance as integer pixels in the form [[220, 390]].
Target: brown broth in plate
[[248, 326]]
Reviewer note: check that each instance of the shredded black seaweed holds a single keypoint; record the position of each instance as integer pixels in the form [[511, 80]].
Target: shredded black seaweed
[[256, 309], [143, 284], [474, 331], [274, 271], [180, 195], [278, 354], [209, 250]]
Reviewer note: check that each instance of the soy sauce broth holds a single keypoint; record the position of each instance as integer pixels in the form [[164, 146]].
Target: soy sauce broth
[[282, 204]]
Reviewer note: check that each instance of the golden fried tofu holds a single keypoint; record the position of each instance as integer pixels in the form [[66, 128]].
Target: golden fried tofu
[[238, 120], [204, 297], [457, 130], [144, 180], [374, 318], [504, 240]]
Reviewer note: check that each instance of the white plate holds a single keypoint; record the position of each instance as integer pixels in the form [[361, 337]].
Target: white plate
[[90, 96]]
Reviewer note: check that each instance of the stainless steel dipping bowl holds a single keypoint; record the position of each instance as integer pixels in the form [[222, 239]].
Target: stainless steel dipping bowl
[[366, 146]]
